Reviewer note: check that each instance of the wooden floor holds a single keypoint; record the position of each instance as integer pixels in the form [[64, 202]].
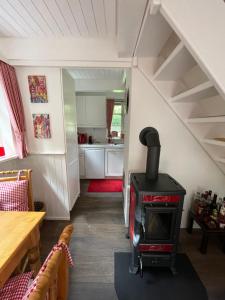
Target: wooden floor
[[99, 232]]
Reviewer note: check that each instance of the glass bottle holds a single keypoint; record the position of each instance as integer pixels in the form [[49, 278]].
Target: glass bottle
[[221, 217]]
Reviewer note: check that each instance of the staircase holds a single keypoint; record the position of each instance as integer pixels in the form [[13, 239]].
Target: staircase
[[185, 73]]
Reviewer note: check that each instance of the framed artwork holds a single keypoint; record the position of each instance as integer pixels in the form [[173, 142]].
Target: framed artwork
[[38, 89], [41, 124]]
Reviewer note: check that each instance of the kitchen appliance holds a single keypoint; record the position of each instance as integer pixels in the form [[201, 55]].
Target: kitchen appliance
[[82, 138], [90, 139], [2, 151], [156, 202]]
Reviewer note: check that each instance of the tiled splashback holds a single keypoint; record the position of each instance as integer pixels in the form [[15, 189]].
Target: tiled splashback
[[98, 134]]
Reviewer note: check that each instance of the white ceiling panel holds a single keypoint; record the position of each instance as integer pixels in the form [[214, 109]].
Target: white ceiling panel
[[88, 11], [100, 18], [79, 16], [110, 15], [58, 16], [97, 74], [43, 10], [23, 11], [49, 18], [37, 16], [67, 17]]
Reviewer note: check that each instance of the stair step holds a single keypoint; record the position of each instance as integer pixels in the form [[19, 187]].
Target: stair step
[[218, 119], [216, 142], [176, 64], [204, 90], [220, 159]]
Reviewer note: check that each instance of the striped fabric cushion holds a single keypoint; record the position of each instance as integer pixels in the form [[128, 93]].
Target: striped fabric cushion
[[16, 287], [13, 195]]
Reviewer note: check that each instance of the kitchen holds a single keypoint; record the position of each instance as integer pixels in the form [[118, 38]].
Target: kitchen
[[101, 110]]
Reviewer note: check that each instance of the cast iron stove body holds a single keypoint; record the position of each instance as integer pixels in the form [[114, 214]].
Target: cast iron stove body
[[156, 203]]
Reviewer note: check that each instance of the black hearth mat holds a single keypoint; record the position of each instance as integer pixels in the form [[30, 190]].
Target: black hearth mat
[[158, 284]]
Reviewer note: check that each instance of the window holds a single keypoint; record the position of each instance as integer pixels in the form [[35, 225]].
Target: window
[[7, 147], [117, 120]]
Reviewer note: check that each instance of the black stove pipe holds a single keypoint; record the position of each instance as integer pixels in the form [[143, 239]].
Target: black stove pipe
[[149, 137]]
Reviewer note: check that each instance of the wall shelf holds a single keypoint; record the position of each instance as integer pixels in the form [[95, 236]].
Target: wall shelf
[[202, 91], [220, 119]]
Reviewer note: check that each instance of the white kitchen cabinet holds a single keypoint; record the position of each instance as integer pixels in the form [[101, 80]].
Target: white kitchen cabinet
[[113, 162], [94, 163], [96, 111], [81, 110], [82, 165], [91, 111]]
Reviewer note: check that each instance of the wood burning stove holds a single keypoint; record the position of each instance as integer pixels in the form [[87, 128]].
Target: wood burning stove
[[156, 202]]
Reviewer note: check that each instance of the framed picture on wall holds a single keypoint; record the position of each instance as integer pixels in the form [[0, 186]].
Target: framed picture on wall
[[38, 89], [41, 124]]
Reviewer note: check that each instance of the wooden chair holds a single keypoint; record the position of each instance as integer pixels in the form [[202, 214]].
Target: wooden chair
[[25, 175], [54, 280]]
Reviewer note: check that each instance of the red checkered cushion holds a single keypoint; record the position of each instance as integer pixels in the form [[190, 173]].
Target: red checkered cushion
[[16, 287], [13, 195], [58, 247]]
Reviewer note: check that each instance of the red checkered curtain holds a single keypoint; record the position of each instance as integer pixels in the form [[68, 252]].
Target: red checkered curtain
[[9, 82], [109, 114]]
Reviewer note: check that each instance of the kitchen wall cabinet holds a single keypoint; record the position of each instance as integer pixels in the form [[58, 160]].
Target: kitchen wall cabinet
[[113, 162], [94, 163], [91, 111], [81, 111]]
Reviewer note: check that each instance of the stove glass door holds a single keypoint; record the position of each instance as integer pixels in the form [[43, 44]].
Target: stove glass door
[[159, 223]]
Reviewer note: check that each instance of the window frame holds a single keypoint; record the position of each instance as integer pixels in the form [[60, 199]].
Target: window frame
[[6, 133], [122, 118]]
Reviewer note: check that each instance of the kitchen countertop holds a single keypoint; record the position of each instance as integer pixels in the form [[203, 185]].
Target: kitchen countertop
[[114, 146]]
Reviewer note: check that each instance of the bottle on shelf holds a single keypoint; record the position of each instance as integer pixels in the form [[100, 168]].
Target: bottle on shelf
[[213, 209], [209, 196], [213, 204], [195, 201], [221, 217], [201, 205]]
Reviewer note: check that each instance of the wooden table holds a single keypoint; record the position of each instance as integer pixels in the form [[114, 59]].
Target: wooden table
[[19, 234], [206, 231]]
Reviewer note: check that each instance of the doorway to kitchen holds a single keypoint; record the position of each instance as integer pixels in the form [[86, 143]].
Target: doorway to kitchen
[[101, 109]]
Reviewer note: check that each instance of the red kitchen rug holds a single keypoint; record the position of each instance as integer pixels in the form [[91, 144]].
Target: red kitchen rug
[[105, 186]]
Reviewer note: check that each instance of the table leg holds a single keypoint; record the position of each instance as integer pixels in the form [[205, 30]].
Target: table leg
[[223, 245], [190, 224], [34, 252], [204, 243]]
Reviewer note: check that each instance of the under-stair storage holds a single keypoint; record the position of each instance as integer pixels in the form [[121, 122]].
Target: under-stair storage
[[167, 62]]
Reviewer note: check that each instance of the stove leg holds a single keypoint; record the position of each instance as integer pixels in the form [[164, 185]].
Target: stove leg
[[174, 271], [172, 267], [134, 265]]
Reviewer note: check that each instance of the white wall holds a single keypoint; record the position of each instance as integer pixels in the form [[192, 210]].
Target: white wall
[[47, 159], [54, 107], [49, 182], [70, 124], [181, 155], [61, 52]]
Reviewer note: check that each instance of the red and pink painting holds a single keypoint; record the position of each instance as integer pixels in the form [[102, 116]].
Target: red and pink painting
[[38, 89], [41, 124]]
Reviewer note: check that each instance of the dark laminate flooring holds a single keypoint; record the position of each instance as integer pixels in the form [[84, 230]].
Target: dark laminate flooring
[[99, 231]]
